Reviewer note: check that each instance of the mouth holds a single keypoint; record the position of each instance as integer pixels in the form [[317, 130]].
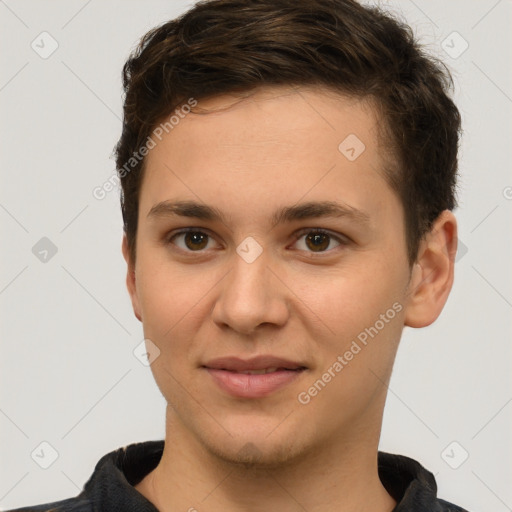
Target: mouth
[[264, 371], [254, 378]]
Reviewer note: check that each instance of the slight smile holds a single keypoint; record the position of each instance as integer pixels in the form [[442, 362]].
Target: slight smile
[[253, 378]]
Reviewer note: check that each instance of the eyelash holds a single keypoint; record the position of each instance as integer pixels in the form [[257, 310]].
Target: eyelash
[[343, 241]]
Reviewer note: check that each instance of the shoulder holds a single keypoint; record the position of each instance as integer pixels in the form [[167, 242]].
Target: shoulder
[[77, 504], [411, 485]]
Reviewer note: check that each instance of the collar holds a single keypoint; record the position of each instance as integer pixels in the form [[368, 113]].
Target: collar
[[111, 485]]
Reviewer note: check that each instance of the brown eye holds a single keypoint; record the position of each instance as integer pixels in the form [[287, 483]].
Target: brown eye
[[191, 240], [318, 241], [196, 240]]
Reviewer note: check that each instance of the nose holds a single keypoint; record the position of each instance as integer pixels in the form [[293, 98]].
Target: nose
[[251, 295]]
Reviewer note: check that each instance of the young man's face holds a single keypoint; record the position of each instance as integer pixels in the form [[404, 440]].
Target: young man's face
[[303, 300]]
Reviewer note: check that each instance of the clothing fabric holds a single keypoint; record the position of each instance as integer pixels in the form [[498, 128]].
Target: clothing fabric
[[110, 487]]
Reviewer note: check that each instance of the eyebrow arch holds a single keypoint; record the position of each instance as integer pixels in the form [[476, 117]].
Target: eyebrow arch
[[308, 210]]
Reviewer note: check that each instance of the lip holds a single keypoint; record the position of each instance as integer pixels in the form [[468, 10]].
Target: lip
[[255, 363], [252, 386], [225, 372]]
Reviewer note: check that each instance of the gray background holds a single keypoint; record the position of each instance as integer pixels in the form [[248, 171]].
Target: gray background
[[68, 375]]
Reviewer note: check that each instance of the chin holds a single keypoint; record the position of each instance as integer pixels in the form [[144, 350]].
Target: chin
[[257, 450]]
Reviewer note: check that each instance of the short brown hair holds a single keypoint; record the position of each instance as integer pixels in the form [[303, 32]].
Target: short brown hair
[[222, 46]]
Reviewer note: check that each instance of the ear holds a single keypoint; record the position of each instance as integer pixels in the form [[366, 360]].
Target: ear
[[432, 274], [130, 279]]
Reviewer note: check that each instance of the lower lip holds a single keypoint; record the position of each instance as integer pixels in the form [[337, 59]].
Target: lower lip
[[253, 386]]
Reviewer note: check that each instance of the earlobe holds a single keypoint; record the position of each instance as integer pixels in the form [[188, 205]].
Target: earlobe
[[432, 275], [131, 284]]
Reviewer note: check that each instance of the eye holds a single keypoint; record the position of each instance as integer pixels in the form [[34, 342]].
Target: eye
[[315, 240], [318, 240], [194, 240]]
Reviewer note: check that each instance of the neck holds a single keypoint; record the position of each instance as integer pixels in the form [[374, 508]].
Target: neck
[[338, 477]]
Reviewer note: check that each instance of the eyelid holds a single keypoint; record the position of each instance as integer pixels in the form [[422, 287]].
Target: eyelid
[[343, 240]]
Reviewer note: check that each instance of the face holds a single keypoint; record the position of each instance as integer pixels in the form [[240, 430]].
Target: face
[[266, 277]]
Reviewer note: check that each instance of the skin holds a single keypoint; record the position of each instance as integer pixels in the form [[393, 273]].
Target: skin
[[248, 157]]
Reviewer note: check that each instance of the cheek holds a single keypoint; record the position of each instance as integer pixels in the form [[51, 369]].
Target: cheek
[[356, 353], [362, 310], [173, 312], [168, 304], [351, 299], [175, 302]]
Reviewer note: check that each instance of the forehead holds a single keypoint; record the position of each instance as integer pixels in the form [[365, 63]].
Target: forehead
[[267, 146], [282, 115]]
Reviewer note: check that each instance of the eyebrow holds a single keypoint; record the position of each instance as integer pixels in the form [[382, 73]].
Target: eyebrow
[[308, 210]]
